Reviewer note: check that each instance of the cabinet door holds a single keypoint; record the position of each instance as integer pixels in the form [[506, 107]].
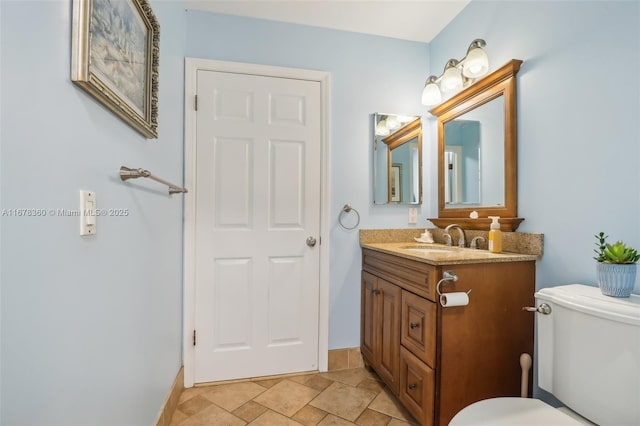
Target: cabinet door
[[419, 327], [417, 387], [388, 316], [368, 322]]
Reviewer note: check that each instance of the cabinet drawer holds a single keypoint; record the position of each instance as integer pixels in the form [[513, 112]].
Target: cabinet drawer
[[418, 332], [417, 277], [417, 387]]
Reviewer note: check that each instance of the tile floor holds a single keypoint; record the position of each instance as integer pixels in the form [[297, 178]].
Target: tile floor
[[344, 397]]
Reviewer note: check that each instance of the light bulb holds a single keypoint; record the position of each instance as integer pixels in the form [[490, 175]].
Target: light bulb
[[431, 94], [476, 63], [451, 80]]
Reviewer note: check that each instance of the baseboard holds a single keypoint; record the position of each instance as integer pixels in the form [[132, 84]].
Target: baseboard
[[340, 359], [170, 404]]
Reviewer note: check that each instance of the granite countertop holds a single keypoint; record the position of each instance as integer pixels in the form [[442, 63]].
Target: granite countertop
[[517, 246], [439, 254]]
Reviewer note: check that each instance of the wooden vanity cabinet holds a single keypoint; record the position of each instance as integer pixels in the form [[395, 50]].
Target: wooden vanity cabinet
[[439, 360]]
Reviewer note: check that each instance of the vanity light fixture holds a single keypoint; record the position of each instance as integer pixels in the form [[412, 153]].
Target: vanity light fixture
[[457, 74]]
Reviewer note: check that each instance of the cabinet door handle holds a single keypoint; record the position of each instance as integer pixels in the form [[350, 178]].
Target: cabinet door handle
[[375, 292], [412, 386], [413, 325]]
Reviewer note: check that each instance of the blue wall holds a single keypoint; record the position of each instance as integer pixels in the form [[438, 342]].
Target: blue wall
[[90, 325], [578, 110]]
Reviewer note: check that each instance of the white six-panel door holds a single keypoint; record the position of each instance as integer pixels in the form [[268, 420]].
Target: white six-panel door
[[257, 202]]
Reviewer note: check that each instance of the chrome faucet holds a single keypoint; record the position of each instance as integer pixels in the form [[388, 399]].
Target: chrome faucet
[[474, 242], [461, 241]]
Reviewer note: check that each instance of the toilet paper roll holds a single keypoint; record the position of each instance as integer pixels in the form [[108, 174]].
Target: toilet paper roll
[[457, 298]]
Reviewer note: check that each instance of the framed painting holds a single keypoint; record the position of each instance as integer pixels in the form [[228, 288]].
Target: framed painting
[[395, 183], [115, 58]]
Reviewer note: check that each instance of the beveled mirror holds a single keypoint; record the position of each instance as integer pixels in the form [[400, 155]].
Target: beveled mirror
[[477, 162], [397, 159]]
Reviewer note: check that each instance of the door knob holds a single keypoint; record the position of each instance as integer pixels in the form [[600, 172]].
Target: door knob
[[311, 242]]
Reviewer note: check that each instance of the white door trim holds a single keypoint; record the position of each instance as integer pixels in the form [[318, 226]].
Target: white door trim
[[192, 65]]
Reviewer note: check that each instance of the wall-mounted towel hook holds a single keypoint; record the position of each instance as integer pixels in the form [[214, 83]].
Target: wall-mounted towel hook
[[129, 173]]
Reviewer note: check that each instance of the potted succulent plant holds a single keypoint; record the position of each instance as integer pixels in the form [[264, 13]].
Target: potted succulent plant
[[616, 267]]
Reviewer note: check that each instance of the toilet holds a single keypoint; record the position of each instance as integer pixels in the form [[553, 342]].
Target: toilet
[[588, 358]]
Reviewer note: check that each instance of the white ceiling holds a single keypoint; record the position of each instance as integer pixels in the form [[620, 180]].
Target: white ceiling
[[417, 20]]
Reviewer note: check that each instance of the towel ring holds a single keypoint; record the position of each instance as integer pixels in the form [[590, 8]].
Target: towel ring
[[348, 209]]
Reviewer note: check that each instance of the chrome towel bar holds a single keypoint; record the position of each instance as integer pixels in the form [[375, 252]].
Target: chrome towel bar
[[128, 173]]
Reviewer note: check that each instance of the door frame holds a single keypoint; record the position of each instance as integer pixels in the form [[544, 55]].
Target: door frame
[[192, 66]]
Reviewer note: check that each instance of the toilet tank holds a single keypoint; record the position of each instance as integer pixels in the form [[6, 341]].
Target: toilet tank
[[589, 352]]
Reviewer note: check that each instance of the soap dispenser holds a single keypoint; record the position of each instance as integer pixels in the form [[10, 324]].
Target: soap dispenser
[[495, 235]]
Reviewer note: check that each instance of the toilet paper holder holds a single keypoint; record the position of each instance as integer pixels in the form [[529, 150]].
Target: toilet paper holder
[[447, 276]]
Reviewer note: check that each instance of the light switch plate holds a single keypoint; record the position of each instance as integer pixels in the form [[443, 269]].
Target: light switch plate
[[413, 215], [88, 206]]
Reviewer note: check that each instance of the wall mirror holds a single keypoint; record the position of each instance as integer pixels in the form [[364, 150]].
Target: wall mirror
[[477, 159], [397, 159]]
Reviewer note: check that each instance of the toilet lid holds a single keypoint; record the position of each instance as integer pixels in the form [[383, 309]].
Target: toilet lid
[[510, 412]]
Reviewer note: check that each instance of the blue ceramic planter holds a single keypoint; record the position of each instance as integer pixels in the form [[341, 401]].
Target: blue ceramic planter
[[616, 280]]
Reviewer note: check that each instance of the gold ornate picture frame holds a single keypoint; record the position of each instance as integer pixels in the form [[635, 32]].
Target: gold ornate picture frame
[[115, 58]]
